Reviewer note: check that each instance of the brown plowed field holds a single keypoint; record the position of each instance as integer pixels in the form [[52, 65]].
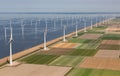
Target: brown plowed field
[[34, 70], [109, 47], [111, 42], [65, 45], [108, 53], [90, 36], [57, 51], [101, 63]]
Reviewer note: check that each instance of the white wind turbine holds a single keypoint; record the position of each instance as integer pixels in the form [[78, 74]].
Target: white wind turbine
[[67, 21], [64, 32], [61, 22], [5, 34], [45, 38], [11, 40], [36, 28], [103, 19], [54, 24], [91, 24], [76, 27], [85, 30], [96, 22], [22, 28]]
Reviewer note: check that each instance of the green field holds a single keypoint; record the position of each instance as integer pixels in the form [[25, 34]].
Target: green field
[[73, 58], [39, 59], [109, 47], [86, 43], [84, 52], [79, 40], [111, 37], [91, 45], [67, 61], [97, 30], [92, 72]]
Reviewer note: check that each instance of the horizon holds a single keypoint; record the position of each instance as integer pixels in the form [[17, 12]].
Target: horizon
[[62, 12]]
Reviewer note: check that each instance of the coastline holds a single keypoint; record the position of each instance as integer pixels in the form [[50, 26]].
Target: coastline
[[40, 46]]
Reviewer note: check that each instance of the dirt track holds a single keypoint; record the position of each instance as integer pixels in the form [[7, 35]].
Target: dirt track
[[34, 70], [101, 63]]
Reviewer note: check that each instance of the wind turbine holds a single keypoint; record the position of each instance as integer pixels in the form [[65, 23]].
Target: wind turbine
[[85, 30], [91, 24], [96, 22], [11, 40], [45, 34], [61, 22], [76, 27], [103, 19], [22, 28], [64, 32], [67, 21], [5, 34], [100, 20], [72, 20], [54, 25], [36, 28]]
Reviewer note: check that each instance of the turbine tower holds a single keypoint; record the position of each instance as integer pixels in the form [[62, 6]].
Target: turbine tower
[[91, 24], [36, 28], [11, 40], [5, 34], [61, 22], [96, 22], [76, 27], [85, 30], [54, 25], [64, 28], [45, 34], [22, 28]]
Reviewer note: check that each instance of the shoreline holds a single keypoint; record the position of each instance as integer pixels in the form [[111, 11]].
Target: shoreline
[[40, 46]]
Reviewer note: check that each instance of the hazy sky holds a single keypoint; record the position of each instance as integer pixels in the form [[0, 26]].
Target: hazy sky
[[59, 5]]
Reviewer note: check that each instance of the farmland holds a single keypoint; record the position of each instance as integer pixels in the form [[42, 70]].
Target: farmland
[[92, 53]]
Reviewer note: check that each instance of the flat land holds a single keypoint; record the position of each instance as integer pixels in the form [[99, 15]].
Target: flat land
[[65, 45], [108, 53], [97, 30], [101, 63], [57, 51], [79, 40], [115, 29], [93, 72], [111, 42], [39, 59], [109, 47], [111, 37], [34, 70], [90, 36], [92, 53], [84, 52], [91, 45], [67, 61]]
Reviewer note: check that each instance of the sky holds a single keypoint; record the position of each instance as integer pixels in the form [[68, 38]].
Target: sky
[[59, 5]]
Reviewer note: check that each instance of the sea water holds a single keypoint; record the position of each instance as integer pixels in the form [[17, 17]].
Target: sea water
[[28, 29]]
